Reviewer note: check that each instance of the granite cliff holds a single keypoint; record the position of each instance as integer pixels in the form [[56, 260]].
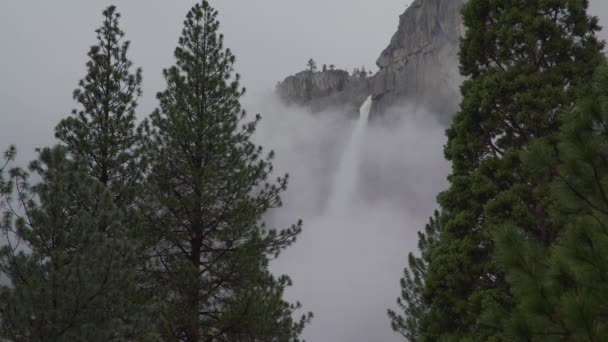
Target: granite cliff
[[325, 89], [420, 65]]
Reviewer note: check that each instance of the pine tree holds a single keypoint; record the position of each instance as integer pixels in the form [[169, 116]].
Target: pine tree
[[311, 65], [103, 131], [363, 72], [561, 291], [70, 281], [9, 156], [208, 191], [412, 284], [524, 62]]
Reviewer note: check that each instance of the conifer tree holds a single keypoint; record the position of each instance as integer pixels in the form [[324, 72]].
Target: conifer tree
[[208, 190], [412, 285], [524, 62], [363, 72], [311, 65], [103, 131], [8, 156], [70, 281], [561, 291]]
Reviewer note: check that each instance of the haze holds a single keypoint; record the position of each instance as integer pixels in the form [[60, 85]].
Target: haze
[[347, 264]]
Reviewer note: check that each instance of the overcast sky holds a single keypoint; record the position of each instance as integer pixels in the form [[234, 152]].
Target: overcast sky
[[43, 47]]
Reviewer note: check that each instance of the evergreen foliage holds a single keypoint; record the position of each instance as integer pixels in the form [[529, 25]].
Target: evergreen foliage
[[561, 291], [103, 131], [8, 156], [311, 65], [363, 72], [524, 62], [412, 284], [70, 281], [208, 190]]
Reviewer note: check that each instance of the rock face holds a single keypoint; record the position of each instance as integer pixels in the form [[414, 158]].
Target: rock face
[[421, 62], [332, 89], [419, 66]]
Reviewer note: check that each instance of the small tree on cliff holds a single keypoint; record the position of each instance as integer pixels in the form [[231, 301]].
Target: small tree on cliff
[[208, 191], [311, 65], [363, 72]]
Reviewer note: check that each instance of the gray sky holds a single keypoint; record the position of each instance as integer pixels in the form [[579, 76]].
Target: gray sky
[[44, 46], [346, 267], [600, 9]]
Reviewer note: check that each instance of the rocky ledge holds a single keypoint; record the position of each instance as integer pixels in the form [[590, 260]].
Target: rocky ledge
[[419, 66], [322, 90]]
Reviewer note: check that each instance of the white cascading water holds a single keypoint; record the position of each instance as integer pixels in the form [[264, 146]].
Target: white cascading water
[[347, 174], [357, 230]]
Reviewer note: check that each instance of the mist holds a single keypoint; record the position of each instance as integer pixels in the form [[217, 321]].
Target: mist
[[346, 265], [347, 262]]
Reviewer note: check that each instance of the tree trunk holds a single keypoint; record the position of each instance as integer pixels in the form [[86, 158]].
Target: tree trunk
[[193, 331]]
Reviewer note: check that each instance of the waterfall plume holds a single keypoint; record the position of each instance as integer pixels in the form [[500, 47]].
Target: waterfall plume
[[345, 179]]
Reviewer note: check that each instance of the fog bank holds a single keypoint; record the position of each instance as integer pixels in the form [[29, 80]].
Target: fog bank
[[347, 264]]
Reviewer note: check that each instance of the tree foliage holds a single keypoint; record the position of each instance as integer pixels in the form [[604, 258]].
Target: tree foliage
[[311, 65], [524, 62], [561, 290], [208, 190], [103, 131], [70, 281], [8, 156], [411, 302], [79, 241], [68, 234]]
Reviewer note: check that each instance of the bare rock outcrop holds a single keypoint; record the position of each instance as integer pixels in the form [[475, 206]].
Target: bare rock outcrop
[[331, 89], [421, 62], [420, 66]]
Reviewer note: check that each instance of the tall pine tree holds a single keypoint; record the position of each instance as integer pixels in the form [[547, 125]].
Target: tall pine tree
[[69, 280], [208, 192], [103, 131], [524, 60]]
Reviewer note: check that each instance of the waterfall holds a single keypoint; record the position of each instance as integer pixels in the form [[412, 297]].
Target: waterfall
[[346, 176]]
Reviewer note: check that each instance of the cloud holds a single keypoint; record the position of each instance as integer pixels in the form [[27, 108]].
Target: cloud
[[345, 267], [347, 263]]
